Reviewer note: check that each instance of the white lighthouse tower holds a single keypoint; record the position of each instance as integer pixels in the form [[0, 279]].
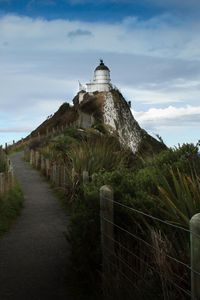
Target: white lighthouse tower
[[101, 81]]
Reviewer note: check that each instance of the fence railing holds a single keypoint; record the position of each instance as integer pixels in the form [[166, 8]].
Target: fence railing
[[49, 132], [130, 258], [55, 172]]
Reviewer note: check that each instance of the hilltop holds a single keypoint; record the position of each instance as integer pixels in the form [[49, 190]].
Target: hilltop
[[107, 112]]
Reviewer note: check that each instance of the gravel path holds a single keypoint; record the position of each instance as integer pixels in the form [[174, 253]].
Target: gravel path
[[34, 254]]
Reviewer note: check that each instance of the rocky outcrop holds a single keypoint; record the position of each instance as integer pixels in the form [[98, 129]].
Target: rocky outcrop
[[108, 109], [117, 114], [112, 110]]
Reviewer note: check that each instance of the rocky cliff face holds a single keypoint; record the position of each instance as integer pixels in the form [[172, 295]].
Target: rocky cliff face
[[109, 109], [117, 114]]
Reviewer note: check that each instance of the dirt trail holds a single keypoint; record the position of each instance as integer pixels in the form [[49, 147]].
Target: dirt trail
[[34, 254]]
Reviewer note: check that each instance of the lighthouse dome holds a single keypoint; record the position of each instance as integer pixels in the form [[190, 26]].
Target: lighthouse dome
[[101, 66]]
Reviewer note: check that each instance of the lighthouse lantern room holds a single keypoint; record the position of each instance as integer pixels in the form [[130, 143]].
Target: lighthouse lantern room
[[101, 81]]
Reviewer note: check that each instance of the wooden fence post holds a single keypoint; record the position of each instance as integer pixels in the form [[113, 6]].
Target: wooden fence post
[[93, 176], [85, 177], [42, 165], [1, 183], [47, 167], [31, 156], [53, 173], [37, 159], [107, 231], [62, 175], [57, 174], [195, 250]]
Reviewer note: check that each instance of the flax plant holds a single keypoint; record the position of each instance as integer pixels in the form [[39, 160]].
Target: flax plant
[[180, 194]]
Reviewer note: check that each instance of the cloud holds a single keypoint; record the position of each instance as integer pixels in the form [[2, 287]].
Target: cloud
[[154, 62], [174, 124], [169, 116], [79, 33], [176, 90], [15, 129], [167, 41]]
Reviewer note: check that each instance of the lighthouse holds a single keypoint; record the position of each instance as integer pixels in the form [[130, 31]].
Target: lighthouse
[[101, 81]]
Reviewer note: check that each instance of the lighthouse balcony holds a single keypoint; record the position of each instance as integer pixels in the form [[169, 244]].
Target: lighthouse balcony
[[100, 87]]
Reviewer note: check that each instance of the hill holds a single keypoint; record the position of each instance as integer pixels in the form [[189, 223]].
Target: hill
[[107, 112]]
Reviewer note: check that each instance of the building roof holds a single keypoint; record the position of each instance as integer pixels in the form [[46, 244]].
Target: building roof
[[101, 66]]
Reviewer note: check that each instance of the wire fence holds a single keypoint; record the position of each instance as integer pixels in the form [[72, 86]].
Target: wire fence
[[145, 256], [38, 136], [55, 171]]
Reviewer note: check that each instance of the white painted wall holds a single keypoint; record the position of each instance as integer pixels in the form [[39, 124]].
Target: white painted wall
[[100, 87]]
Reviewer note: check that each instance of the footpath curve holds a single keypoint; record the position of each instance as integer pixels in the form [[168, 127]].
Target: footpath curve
[[34, 254]]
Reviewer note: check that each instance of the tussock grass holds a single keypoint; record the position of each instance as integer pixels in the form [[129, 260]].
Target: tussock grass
[[10, 207], [97, 154]]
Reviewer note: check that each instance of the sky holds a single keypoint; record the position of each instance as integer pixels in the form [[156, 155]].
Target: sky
[[152, 48]]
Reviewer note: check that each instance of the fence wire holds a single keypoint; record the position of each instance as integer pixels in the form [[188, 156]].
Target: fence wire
[[181, 279], [152, 217], [140, 259]]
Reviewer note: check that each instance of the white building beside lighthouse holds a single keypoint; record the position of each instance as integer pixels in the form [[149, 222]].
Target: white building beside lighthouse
[[101, 80]]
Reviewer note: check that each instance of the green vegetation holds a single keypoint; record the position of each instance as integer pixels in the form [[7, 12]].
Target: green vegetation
[[10, 207], [2, 161], [164, 185], [96, 154]]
